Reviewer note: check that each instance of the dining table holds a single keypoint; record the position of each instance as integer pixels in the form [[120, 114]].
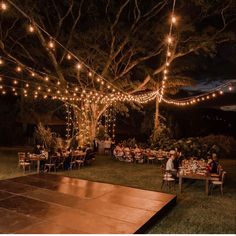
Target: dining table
[[196, 176], [37, 158]]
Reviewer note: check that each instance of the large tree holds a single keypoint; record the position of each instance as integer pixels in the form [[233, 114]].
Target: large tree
[[123, 41]]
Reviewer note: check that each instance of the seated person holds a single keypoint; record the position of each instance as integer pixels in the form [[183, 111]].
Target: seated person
[[170, 165], [214, 164], [138, 154], [128, 155], [118, 152], [178, 160], [90, 155], [137, 150]]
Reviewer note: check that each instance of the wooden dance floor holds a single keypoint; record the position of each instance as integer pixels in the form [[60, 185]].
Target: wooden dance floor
[[55, 204]]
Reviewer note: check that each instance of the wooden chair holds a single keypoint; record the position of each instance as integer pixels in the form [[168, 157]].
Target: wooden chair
[[80, 159], [50, 165], [73, 160], [60, 163], [22, 162], [218, 183], [151, 159], [168, 181]]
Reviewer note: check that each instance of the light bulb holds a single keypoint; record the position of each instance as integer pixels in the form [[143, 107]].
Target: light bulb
[[18, 69], [169, 39], [3, 6], [31, 28], [173, 19], [78, 66], [51, 44]]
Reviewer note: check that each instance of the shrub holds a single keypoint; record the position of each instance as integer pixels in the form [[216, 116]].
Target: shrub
[[201, 147]]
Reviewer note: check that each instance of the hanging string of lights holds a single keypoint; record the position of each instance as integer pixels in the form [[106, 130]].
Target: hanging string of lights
[[136, 98], [139, 98], [68, 122], [33, 26], [213, 93], [86, 95], [168, 52]]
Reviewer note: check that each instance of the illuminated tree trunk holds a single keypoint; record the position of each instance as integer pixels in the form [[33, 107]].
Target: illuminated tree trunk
[[156, 118], [88, 121]]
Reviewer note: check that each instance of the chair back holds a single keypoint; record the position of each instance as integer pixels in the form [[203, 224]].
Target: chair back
[[21, 157], [223, 176]]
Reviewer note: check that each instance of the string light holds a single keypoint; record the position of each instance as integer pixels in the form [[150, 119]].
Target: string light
[[3, 6], [51, 44], [203, 97], [18, 69], [109, 98], [169, 39], [1, 62], [173, 19], [168, 53], [78, 66], [31, 28]]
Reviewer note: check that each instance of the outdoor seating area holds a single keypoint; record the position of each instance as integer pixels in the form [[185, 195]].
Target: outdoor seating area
[[175, 167], [139, 155], [149, 177], [60, 160]]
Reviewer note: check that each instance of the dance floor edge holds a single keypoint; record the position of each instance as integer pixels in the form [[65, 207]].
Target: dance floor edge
[[54, 204]]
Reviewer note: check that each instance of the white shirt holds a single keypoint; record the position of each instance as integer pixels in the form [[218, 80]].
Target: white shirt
[[170, 164]]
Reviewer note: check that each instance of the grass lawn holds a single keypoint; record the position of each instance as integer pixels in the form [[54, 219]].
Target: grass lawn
[[194, 212]]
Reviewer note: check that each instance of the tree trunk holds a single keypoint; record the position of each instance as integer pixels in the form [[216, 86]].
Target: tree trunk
[[156, 118], [88, 121]]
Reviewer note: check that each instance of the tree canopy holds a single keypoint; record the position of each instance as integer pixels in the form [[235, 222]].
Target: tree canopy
[[122, 42]]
